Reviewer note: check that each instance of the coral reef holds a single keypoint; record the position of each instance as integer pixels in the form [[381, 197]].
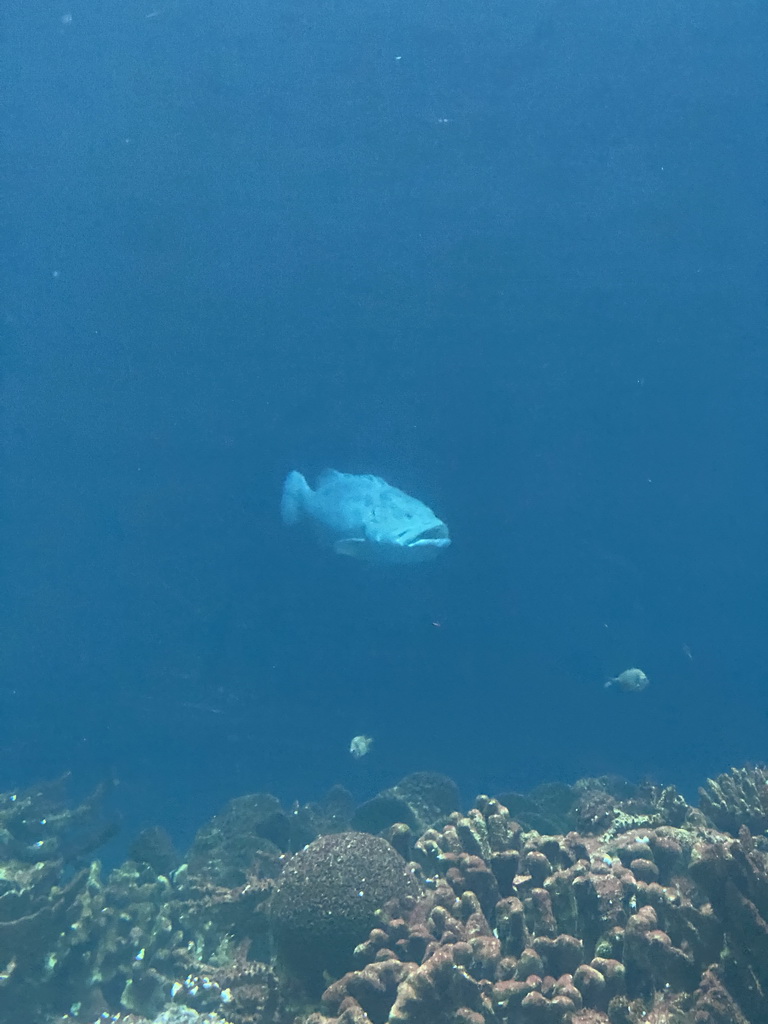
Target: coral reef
[[639, 908], [737, 798], [734, 876], [594, 806], [173, 1015], [250, 830], [547, 808], [256, 829], [42, 885], [70, 941], [521, 928], [153, 846], [37, 825], [420, 800]]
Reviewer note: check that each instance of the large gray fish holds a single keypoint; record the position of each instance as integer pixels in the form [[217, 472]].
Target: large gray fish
[[364, 517]]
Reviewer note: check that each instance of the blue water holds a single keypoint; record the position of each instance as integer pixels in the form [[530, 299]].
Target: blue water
[[512, 258]]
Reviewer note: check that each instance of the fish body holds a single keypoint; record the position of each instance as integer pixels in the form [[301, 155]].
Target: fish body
[[364, 517], [360, 746], [631, 680]]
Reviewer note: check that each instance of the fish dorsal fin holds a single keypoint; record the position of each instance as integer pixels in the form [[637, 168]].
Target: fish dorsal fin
[[330, 476], [326, 477]]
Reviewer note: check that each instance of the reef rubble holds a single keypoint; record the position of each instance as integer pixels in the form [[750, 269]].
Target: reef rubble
[[639, 909]]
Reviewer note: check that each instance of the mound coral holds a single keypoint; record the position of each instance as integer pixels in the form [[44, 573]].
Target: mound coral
[[326, 899]]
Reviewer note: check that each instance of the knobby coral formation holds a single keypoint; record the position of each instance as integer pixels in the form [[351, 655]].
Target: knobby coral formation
[[326, 899], [643, 910]]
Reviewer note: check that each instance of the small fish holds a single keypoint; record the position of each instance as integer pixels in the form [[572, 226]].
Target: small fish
[[360, 746], [364, 517], [631, 680]]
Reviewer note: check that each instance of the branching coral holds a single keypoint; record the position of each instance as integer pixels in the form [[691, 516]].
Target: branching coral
[[737, 798]]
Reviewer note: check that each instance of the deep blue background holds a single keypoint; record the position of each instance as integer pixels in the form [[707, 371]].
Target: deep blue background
[[509, 256]]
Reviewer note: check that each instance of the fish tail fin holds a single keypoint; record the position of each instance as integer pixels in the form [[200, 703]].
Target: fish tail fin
[[296, 490], [609, 684]]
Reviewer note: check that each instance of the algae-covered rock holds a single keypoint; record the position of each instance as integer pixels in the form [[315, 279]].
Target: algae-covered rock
[[245, 838], [546, 808], [251, 832], [326, 900], [611, 805], [154, 846], [420, 800]]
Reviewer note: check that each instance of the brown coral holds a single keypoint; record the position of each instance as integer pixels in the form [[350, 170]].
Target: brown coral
[[737, 798], [646, 922], [734, 876], [575, 927], [326, 899]]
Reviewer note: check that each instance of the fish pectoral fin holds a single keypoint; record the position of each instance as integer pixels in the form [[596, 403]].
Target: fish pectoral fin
[[351, 546]]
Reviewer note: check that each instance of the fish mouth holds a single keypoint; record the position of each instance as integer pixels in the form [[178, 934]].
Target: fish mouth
[[435, 536]]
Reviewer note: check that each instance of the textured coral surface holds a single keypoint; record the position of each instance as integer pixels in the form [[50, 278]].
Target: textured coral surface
[[634, 908]]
